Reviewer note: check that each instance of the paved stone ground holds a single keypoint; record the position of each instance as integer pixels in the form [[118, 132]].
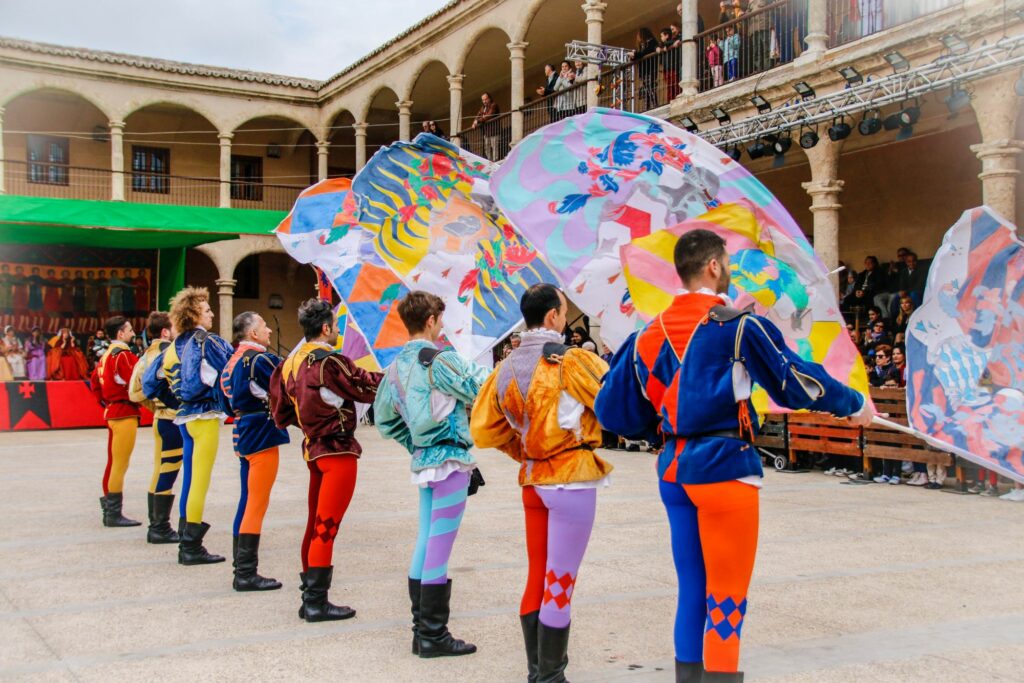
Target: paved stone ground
[[852, 583]]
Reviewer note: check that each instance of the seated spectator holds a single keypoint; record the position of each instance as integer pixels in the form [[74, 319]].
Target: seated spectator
[[877, 336], [851, 284], [869, 278], [874, 315], [13, 352], [899, 326], [889, 283], [913, 279], [857, 302], [884, 369], [899, 359]]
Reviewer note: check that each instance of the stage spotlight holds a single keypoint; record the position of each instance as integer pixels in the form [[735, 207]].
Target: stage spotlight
[[721, 115], [897, 61], [957, 99], [870, 126], [735, 153], [808, 138], [804, 90], [761, 103], [782, 144], [955, 44], [839, 130], [757, 150], [688, 124], [851, 75], [909, 115], [892, 121]]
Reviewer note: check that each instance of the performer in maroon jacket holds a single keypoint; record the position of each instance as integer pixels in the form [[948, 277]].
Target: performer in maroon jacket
[[316, 388]]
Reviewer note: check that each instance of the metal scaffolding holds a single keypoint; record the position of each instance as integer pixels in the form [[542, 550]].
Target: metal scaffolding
[[593, 53]]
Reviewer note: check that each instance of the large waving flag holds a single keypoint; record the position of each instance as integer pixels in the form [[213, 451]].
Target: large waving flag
[[965, 345], [772, 271], [428, 206], [322, 229], [583, 187]]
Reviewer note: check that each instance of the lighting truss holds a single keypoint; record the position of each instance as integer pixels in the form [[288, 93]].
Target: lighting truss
[[941, 74], [593, 53]]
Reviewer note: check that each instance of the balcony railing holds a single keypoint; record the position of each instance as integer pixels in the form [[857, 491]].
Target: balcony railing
[[849, 21], [61, 181], [554, 107], [490, 140]]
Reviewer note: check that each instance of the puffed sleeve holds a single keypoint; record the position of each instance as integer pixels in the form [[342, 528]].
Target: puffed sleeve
[[388, 419], [488, 424], [124, 363], [281, 407], [581, 374], [349, 381], [454, 375], [621, 406], [790, 380]]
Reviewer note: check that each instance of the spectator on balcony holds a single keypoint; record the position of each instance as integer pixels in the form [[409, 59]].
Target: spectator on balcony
[[550, 79], [731, 53], [902, 319], [646, 46], [725, 13], [670, 49], [564, 104], [489, 112], [793, 19], [913, 279], [760, 36], [434, 129], [715, 66]]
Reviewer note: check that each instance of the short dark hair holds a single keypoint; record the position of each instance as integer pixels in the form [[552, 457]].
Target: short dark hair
[[873, 259], [876, 309], [114, 325], [416, 307], [313, 315], [694, 250], [157, 322], [537, 301]]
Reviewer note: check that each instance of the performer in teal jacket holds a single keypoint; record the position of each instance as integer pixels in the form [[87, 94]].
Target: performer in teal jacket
[[422, 404], [689, 374]]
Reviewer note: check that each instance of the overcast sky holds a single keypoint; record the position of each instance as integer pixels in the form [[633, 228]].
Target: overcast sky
[[309, 38]]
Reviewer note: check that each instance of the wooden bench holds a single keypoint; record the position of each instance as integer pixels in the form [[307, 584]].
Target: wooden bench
[[888, 444]]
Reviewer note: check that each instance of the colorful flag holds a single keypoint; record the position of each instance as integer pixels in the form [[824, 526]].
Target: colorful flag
[[351, 341], [772, 272], [322, 229], [435, 224], [582, 188], [965, 345]]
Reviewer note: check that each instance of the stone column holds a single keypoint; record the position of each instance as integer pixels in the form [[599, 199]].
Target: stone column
[[997, 106], [404, 120], [517, 55], [360, 129], [323, 150], [824, 190], [226, 305], [225, 169], [817, 32], [3, 160], [594, 10], [455, 106], [689, 84], [117, 160]]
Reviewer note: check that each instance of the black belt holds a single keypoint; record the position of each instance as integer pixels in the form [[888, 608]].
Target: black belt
[[452, 443], [719, 433], [243, 413]]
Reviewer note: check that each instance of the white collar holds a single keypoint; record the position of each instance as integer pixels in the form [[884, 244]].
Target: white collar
[[540, 332], [709, 292], [258, 347]]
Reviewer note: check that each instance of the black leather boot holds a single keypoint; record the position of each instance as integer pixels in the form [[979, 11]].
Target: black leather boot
[[160, 530], [302, 589], [435, 639], [529, 623], [315, 605], [689, 672], [190, 547], [111, 504], [246, 561], [414, 598], [722, 677], [552, 653]]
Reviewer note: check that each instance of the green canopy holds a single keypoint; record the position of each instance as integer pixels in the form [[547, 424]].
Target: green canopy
[[125, 225]]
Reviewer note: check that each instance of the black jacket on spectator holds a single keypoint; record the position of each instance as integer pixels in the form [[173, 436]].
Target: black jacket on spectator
[[549, 85], [870, 281], [878, 376], [913, 281]]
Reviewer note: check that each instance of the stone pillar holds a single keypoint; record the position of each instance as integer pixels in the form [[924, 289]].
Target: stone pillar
[[404, 120], [997, 106], [226, 305], [225, 169], [517, 55], [360, 129], [689, 84], [117, 160], [594, 10], [3, 160], [824, 190], [323, 150], [455, 106], [817, 32]]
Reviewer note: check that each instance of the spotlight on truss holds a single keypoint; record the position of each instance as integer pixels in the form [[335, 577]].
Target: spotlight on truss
[[757, 150], [871, 123], [898, 62], [955, 44], [761, 103], [735, 153], [689, 124], [782, 144], [957, 99], [804, 90], [839, 130], [851, 75], [808, 137], [721, 115]]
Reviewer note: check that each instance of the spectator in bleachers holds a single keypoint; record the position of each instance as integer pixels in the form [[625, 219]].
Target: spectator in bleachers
[[902, 319], [899, 359], [913, 279], [887, 296], [884, 370], [877, 335], [856, 305], [851, 283], [646, 45], [869, 278], [987, 484]]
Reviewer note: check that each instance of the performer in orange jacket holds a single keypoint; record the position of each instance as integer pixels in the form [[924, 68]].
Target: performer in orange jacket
[[689, 374], [316, 388], [109, 382], [537, 407]]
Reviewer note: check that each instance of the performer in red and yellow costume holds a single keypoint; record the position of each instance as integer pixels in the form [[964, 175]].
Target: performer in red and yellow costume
[[537, 407], [316, 388], [688, 374], [109, 383]]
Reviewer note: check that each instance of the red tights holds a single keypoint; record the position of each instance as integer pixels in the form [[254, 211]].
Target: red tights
[[332, 480]]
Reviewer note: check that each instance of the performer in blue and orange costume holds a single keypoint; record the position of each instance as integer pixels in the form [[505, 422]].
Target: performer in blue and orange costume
[[537, 407], [192, 367], [689, 375], [316, 388], [109, 383], [167, 444], [246, 383]]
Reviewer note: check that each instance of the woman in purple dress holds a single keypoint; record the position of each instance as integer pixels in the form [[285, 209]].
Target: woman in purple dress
[[35, 356]]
